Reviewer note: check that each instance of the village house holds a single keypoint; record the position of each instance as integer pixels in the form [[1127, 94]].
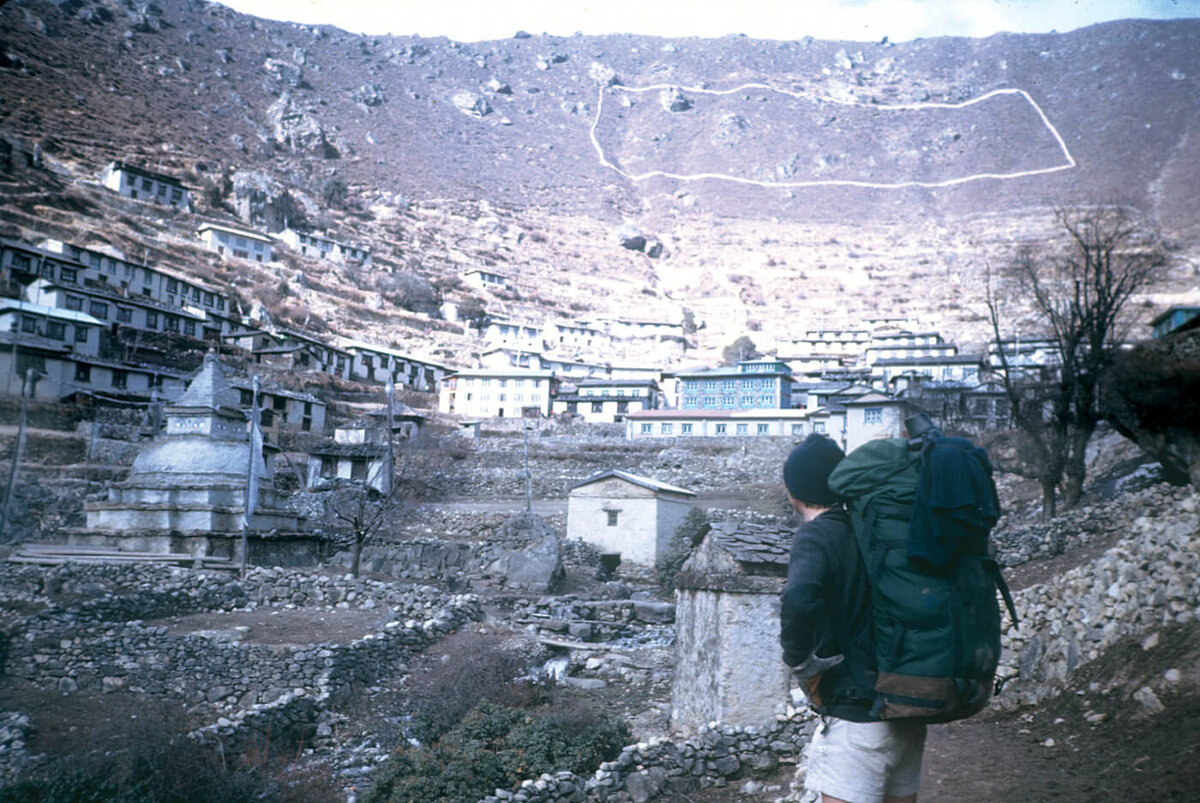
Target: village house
[[1173, 320], [874, 353], [624, 513], [974, 409], [826, 343], [63, 349], [607, 400], [314, 246], [287, 348], [513, 335], [141, 184], [568, 335], [511, 393], [751, 384], [959, 369], [235, 242], [375, 364], [71, 266], [359, 450], [629, 328], [813, 364], [728, 663], [675, 423], [282, 410], [500, 358], [486, 280], [135, 312]]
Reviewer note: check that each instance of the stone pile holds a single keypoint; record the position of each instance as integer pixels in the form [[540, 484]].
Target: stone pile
[[1021, 538]]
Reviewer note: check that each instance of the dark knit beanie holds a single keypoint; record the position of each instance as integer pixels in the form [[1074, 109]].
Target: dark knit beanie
[[806, 470]]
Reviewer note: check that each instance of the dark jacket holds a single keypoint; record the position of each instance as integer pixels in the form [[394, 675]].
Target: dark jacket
[[826, 607]]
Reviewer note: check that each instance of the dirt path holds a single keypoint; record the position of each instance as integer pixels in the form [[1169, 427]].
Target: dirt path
[[1098, 745]]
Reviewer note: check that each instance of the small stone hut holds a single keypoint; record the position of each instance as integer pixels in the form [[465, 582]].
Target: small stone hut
[[728, 662], [622, 512]]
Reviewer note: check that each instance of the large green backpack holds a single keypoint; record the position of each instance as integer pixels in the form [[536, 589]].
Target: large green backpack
[[936, 624]]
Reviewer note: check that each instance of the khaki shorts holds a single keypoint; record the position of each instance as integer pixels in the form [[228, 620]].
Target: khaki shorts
[[862, 762]]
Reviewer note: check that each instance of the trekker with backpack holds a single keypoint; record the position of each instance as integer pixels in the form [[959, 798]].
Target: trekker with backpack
[[919, 513], [825, 613]]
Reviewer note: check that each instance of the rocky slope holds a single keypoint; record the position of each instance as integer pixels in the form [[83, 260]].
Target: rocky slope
[[446, 156]]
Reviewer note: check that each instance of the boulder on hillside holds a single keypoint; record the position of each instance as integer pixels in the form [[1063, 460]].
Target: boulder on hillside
[[602, 74], [499, 87], [296, 129], [471, 103], [673, 100], [527, 551], [368, 95], [286, 72]]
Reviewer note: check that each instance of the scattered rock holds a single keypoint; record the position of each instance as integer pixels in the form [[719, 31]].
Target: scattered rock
[[471, 103], [1149, 700], [673, 100]]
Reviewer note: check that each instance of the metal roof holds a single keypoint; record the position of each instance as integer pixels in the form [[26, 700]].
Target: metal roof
[[644, 482]]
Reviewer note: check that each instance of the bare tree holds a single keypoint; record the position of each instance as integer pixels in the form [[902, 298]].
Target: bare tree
[[364, 512], [1078, 290]]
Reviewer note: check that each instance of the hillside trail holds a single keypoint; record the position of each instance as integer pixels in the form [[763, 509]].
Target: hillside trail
[[1094, 742]]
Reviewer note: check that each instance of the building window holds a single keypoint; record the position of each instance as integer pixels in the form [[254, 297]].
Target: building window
[[358, 469], [170, 323], [597, 407], [189, 328], [151, 319], [83, 373], [56, 330], [647, 429], [667, 429], [98, 309], [124, 314], [763, 429], [722, 429], [267, 417], [743, 429], [120, 379], [797, 429], [819, 427], [873, 415], [612, 517], [747, 401], [81, 334], [68, 275], [28, 324], [685, 429]]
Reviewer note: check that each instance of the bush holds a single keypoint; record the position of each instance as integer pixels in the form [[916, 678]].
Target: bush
[[472, 670], [689, 535], [497, 747], [150, 760]]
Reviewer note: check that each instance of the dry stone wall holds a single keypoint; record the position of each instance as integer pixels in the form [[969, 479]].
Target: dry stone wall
[[559, 462], [1149, 579], [643, 771], [90, 634]]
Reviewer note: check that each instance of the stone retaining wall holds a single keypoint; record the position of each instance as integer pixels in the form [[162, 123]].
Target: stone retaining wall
[[643, 771], [90, 635], [590, 620], [1149, 579]]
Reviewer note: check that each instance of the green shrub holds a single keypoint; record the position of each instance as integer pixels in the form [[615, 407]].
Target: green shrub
[[496, 747]]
